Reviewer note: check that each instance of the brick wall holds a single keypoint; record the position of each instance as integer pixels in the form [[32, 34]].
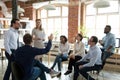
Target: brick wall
[[29, 10], [72, 22]]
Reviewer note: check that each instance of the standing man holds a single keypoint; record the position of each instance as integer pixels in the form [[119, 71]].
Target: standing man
[[11, 44], [108, 43], [91, 61]]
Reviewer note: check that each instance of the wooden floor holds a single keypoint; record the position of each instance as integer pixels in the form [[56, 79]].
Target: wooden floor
[[104, 75]]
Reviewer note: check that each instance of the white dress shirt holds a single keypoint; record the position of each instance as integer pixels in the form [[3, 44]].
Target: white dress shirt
[[94, 57], [79, 49], [64, 48], [10, 40]]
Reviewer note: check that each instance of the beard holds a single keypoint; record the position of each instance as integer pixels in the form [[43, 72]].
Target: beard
[[16, 28]]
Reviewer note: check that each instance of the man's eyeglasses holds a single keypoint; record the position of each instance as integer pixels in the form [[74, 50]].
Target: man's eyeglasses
[[91, 41]]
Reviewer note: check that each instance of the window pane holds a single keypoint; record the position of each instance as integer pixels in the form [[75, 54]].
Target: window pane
[[114, 24], [114, 7], [90, 10], [90, 21], [65, 26], [43, 13], [44, 25], [56, 12], [50, 26], [57, 28], [90, 25], [64, 11], [101, 22]]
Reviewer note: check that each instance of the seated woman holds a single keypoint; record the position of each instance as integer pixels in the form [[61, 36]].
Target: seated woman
[[78, 53], [64, 48]]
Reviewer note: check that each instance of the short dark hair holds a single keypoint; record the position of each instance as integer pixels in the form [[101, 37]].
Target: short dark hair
[[64, 37], [80, 36], [108, 26], [95, 39], [27, 38], [13, 21]]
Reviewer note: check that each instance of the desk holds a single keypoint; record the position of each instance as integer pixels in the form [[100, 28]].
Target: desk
[[2, 52]]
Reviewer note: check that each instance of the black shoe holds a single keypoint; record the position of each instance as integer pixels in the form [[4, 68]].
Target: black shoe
[[52, 68], [59, 75], [67, 72]]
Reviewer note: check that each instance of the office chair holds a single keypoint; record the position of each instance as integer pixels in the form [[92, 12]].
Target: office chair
[[17, 71]]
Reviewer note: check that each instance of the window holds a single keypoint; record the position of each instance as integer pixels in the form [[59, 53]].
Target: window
[[90, 10], [56, 12], [56, 22], [44, 13], [97, 19]]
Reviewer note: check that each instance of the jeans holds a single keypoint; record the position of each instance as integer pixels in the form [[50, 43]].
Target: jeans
[[83, 71], [41, 66], [59, 59], [106, 55], [8, 70], [37, 72]]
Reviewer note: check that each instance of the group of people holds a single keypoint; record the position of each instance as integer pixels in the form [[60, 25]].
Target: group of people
[[28, 56]]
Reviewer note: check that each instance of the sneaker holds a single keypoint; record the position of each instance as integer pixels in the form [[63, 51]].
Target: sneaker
[[54, 73], [67, 72]]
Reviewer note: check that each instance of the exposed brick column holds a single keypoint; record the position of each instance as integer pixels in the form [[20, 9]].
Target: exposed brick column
[[30, 12], [72, 21]]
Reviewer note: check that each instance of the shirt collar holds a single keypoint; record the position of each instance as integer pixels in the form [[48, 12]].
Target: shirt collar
[[93, 47], [78, 42], [108, 33], [64, 44], [13, 29]]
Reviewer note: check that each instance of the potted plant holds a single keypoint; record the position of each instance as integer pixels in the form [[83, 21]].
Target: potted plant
[[83, 31]]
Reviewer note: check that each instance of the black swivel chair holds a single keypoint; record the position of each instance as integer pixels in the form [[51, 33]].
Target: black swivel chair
[[17, 71]]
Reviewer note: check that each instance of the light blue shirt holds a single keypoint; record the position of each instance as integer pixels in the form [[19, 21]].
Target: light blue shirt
[[109, 40], [10, 40], [94, 57]]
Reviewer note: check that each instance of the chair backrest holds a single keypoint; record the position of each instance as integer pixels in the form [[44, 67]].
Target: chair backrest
[[17, 71]]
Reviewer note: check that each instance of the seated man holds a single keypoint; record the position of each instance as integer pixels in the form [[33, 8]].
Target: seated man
[[91, 61], [25, 56], [108, 43]]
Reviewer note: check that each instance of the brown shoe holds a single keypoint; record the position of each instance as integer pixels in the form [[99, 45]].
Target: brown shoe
[[54, 73], [59, 75]]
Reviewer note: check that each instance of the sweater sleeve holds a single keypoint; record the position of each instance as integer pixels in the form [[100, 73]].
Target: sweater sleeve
[[39, 51]]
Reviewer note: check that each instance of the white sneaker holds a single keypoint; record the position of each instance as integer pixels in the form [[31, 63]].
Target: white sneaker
[[54, 73]]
